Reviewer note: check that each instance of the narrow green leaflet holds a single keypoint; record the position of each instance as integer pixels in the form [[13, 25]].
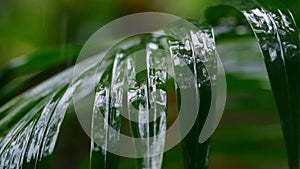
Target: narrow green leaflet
[[276, 32], [31, 122], [107, 117], [147, 100], [278, 38], [194, 47], [121, 82]]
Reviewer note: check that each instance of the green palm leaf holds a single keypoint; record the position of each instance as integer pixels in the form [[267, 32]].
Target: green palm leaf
[[30, 123]]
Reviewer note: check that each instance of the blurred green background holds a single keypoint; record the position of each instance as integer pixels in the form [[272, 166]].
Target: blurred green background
[[28, 25], [249, 135]]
